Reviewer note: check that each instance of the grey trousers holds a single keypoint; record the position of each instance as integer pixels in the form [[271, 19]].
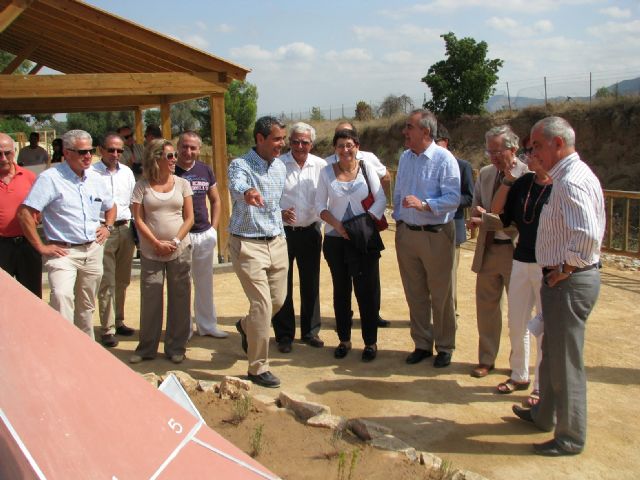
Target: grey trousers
[[152, 275], [563, 382]]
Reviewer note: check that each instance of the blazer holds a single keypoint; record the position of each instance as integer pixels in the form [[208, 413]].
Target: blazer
[[482, 196], [466, 197]]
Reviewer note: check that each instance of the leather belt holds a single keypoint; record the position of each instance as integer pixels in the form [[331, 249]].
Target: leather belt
[[547, 270], [15, 240], [69, 245], [502, 241], [119, 223], [263, 239], [423, 228], [296, 228]]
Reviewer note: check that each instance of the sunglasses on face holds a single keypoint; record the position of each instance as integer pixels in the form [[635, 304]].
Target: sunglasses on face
[[114, 150], [171, 156], [304, 143], [83, 151]]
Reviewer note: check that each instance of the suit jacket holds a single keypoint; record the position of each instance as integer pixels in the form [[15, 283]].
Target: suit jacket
[[482, 196], [466, 197]]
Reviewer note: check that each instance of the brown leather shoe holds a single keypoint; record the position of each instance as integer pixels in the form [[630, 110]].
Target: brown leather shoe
[[109, 340], [481, 370], [314, 341]]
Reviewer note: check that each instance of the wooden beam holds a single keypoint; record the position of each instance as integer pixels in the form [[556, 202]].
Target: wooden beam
[[220, 164], [12, 11], [19, 58], [109, 84], [36, 69], [165, 119], [138, 125]]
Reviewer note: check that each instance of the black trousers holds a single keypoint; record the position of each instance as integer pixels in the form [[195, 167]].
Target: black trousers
[[20, 260], [365, 283], [303, 246]]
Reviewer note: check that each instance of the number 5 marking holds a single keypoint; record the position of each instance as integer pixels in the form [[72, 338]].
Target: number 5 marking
[[175, 426]]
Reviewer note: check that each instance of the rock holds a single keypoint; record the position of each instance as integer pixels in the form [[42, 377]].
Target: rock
[[187, 381], [207, 386], [367, 430], [264, 400], [233, 388], [389, 442], [430, 460], [466, 475], [324, 420], [152, 378], [303, 409]]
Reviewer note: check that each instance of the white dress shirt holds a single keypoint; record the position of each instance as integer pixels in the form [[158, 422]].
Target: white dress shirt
[[300, 188], [120, 183], [368, 157]]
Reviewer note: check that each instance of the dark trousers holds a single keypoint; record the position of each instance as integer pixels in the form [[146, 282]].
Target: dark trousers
[[366, 284], [20, 260], [303, 246]]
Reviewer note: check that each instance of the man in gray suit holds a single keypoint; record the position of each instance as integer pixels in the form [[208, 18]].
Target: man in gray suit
[[494, 249]]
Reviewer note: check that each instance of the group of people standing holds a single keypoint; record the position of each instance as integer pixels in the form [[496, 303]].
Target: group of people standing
[[540, 217]]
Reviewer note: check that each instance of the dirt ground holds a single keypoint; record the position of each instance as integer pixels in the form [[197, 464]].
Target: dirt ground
[[442, 411]]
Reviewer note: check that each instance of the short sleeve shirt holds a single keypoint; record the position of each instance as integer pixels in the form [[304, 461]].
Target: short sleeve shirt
[[11, 197], [201, 178]]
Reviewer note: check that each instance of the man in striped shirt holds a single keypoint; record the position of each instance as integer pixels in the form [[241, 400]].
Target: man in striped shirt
[[568, 250], [258, 247]]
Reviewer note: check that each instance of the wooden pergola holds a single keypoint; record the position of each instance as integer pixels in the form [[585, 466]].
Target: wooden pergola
[[109, 64]]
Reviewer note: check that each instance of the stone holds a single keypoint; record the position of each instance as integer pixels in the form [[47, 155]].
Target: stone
[[430, 460], [324, 420], [366, 429], [207, 386], [303, 409], [264, 400], [233, 388], [187, 381], [152, 378], [389, 442]]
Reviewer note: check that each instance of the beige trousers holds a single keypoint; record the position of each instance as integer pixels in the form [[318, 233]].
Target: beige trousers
[[116, 264], [74, 280], [261, 267], [426, 266]]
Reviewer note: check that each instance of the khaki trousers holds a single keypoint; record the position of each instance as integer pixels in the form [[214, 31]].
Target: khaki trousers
[[493, 278], [261, 267], [426, 266], [116, 277], [74, 280]]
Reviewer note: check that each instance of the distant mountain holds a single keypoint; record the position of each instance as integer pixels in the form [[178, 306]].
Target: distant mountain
[[501, 102]]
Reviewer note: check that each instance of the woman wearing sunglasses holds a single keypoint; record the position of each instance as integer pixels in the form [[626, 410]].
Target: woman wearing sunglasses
[[163, 211]]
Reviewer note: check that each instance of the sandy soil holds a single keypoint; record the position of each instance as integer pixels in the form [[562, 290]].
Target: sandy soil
[[443, 411]]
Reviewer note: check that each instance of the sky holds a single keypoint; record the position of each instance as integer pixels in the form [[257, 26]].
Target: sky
[[332, 54]]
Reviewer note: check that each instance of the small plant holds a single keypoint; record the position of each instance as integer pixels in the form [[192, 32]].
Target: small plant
[[241, 409], [256, 440], [444, 472], [343, 474]]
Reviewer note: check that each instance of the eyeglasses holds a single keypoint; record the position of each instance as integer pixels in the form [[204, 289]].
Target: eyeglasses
[[127, 137], [171, 156], [304, 143], [83, 151], [495, 153], [6, 153], [114, 150], [346, 146]]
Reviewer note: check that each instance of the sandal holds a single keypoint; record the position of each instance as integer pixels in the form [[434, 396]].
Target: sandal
[[532, 400], [511, 386]]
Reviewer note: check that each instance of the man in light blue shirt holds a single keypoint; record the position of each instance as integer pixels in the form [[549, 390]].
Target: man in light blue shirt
[[70, 198], [257, 245], [425, 198]]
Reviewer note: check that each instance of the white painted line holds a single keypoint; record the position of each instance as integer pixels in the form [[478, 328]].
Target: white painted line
[[180, 446], [23, 447]]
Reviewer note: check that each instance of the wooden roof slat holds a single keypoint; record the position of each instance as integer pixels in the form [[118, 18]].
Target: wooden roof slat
[[11, 11]]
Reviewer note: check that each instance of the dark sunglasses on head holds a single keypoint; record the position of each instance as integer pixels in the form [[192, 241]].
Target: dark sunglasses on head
[[127, 137], [114, 150], [83, 151]]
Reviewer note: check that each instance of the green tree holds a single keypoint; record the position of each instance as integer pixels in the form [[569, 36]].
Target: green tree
[[393, 104], [183, 118], [316, 114], [463, 82], [604, 92], [363, 111], [98, 123], [152, 117]]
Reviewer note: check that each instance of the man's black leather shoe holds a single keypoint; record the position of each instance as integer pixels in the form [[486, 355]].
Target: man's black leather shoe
[[243, 336], [443, 359], [124, 331], [314, 341], [265, 379], [109, 340], [551, 449], [522, 413], [284, 345], [383, 323], [418, 355]]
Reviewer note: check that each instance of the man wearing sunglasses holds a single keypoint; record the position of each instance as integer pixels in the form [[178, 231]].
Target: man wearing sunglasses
[[17, 257], [304, 240], [118, 249], [133, 152], [70, 198]]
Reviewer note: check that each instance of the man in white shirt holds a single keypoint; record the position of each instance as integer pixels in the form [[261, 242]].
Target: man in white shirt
[[385, 179], [133, 152], [118, 249], [33, 155], [570, 234], [304, 240]]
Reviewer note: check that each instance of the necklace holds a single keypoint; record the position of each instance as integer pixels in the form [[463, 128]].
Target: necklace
[[346, 170], [529, 221]]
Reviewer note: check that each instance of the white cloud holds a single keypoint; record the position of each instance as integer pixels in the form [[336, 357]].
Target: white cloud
[[520, 6], [515, 29], [401, 57], [201, 25], [196, 41], [612, 30], [295, 51], [224, 28], [505, 24], [365, 33], [615, 12], [349, 55], [251, 52]]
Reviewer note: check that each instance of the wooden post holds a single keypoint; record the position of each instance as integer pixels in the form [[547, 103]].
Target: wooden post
[[219, 150], [138, 125], [165, 119]]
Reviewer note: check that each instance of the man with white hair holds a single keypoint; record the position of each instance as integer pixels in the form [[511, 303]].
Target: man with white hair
[[494, 249], [70, 197], [568, 250], [304, 239]]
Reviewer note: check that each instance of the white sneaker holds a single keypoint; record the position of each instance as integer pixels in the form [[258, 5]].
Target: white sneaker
[[214, 332]]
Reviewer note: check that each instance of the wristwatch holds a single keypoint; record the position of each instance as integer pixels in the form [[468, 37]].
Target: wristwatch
[[424, 206], [109, 227], [176, 241]]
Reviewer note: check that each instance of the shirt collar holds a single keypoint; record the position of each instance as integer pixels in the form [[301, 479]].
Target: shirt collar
[[563, 164]]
